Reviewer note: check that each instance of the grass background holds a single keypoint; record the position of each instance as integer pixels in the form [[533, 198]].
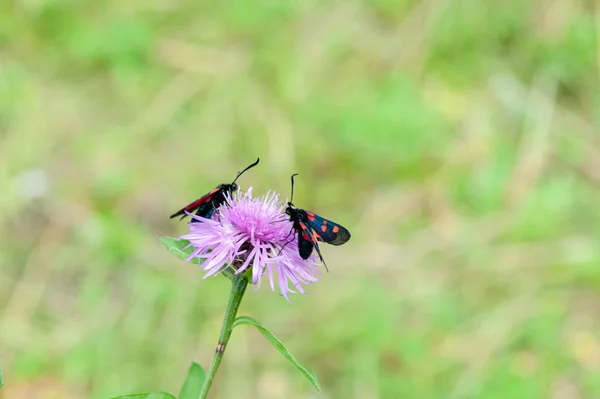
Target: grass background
[[456, 139]]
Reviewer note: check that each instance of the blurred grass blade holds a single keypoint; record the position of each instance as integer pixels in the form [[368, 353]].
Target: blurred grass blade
[[1, 380], [280, 347], [153, 395], [193, 382], [178, 248]]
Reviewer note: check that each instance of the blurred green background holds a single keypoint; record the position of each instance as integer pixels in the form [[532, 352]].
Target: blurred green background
[[457, 140]]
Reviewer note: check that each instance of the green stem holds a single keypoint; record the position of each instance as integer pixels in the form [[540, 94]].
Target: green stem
[[238, 287]]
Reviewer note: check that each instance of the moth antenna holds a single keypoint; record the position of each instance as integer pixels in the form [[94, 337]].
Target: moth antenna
[[248, 167], [292, 195]]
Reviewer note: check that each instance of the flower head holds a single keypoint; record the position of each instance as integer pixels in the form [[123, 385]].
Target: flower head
[[252, 233]]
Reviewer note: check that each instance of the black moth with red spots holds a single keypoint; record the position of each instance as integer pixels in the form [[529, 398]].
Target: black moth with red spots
[[206, 205], [312, 228]]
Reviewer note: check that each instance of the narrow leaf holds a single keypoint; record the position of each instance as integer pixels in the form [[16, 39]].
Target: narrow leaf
[[280, 347], [1, 380], [178, 248], [193, 382], [153, 395]]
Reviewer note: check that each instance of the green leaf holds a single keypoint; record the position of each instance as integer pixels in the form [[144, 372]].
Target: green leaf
[[280, 347], [193, 382], [178, 248], [1, 381], [153, 395]]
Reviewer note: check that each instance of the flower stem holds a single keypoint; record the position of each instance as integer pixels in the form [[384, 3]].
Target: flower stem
[[238, 287]]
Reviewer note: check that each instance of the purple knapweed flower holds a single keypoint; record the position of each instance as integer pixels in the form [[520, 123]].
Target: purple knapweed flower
[[247, 233]]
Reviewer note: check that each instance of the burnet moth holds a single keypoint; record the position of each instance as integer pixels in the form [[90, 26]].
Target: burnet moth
[[312, 228], [206, 205]]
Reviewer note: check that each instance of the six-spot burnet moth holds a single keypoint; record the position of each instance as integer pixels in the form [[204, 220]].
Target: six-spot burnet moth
[[205, 206], [308, 226], [312, 228]]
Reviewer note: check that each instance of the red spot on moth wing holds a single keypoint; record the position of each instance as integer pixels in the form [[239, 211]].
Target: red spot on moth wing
[[311, 216], [305, 236], [335, 229], [323, 228], [303, 226], [315, 236]]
